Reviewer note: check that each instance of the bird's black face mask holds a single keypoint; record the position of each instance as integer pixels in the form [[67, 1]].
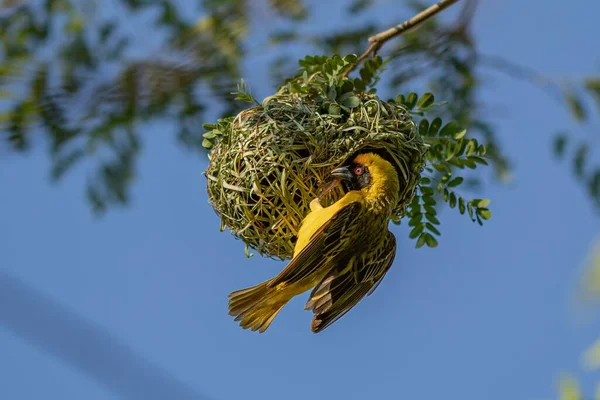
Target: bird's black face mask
[[354, 176]]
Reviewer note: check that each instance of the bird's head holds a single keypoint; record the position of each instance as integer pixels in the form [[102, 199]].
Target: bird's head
[[371, 174]]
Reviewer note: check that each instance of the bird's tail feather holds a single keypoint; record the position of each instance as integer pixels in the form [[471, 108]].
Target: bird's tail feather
[[256, 307]]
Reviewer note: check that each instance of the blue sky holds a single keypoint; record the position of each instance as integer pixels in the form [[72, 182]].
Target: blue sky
[[486, 315]]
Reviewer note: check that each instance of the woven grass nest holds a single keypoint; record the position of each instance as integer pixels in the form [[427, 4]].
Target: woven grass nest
[[271, 160]]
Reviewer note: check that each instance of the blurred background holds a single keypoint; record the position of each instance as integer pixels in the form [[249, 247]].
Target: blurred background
[[114, 276]]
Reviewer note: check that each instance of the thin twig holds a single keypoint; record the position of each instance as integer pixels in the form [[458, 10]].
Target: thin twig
[[522, 72], [466, 15], [378, 40]]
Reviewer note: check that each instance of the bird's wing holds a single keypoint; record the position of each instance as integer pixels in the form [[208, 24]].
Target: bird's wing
[[326, 244], [345, 286]]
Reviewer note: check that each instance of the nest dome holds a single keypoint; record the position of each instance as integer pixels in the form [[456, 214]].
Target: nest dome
[[271, 159]]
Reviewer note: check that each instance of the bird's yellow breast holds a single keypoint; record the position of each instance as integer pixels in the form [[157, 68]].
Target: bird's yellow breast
[[319, 216]]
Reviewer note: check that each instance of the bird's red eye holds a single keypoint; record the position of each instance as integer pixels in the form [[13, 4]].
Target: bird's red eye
[[359, 170]]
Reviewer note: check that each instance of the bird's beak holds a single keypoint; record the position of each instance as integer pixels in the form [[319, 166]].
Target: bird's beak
[[342, 172]]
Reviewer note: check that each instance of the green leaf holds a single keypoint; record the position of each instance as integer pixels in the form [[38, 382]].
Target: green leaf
[[359, 85], [470, 148], [432, 228], [421, 241], [481, 203], [428, 200], [306, 61], [594, 185], [351, 102], [560, 143], [470, 209], [106, 30], [328, 68], [332, 93], [569, 389], [351, 58], [423, 127], [415, 220], [478, 160], [575, 105], [484, 213], [426, 190], [425, 101], [461, 205], [411, 100], [346, 87], [455, 182], [440, 167], [435, 126], [430, 240], [449, 152], [450, 129], [580, 159], [457, 162], [460, 134], [334, 109], [416, 231], [452, 201], [469, 163], [429, 210], [207, 144], [431, 218]]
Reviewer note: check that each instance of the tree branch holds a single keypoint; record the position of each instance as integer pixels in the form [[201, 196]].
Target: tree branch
[[378, 40]]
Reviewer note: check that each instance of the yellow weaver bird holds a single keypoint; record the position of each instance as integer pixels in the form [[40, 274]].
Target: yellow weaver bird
[[343, 251]]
